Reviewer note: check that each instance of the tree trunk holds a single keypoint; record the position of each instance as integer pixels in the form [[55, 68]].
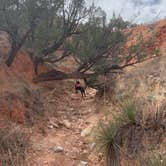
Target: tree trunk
[[16, 46], [36, 62], [58, 75], [11, 57]]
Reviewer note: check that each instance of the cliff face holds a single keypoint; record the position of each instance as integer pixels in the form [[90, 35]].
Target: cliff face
[[147, 79], [19, 97], [156, 31], [161, 35]]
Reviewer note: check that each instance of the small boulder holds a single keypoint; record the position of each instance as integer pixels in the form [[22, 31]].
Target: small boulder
[[58, 149], [87, 131], [67, 124]]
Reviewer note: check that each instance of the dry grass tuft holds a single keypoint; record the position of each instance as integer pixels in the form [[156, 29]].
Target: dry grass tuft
[[153, 160], [14, 144]]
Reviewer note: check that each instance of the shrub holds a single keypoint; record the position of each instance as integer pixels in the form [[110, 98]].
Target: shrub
[[109, 136], [153, 160], [129, 110], [14, 143], [131, 132]]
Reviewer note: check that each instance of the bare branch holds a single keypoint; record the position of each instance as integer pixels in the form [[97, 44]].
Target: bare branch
[[65, 54]]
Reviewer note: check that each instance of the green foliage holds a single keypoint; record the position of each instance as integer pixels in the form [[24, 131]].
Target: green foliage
[[129, 111], [17, 16], [96, 40], [50, 21], [157, 52], [117, 37], [106, 142], [49, 26], [86, 44], [109, 135], [105, 137], [13, 16], [28, 23], [121, 135], [118, 23], [101, 66], [93, 80]]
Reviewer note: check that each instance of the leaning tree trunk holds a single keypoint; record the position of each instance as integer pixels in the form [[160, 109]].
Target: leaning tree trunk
[[11, 56], [36, 62], [57, 75]]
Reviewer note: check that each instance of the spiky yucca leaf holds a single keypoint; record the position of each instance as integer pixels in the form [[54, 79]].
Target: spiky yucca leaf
[[129, 110], [106, 142]]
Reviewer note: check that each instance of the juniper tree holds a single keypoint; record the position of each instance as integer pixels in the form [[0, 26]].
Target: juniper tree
[[100, 48]]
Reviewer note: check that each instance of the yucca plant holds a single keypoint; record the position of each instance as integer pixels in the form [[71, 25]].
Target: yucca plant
[[153, 160], [106, 142]]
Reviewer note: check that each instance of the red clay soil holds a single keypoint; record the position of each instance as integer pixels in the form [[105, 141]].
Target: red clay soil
[[157, 30], [16, 89]]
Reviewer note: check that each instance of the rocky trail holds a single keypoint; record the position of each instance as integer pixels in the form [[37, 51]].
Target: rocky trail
[[64, 141]]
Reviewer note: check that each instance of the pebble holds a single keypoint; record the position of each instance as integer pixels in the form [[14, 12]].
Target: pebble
[[83, 163], [54, 124], [92, 146], [50, 126]]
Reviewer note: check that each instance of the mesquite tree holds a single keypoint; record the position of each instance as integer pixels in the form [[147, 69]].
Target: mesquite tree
[[54, 29], [100, 48]]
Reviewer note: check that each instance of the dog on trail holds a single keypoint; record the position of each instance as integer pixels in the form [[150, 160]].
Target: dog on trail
[[78, 87]]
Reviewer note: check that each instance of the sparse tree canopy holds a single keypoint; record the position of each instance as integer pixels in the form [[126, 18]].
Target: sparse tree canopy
[[101, 48], [77, 30], [41, 25]]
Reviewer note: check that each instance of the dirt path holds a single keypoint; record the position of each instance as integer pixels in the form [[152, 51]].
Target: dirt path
[[69, 131]]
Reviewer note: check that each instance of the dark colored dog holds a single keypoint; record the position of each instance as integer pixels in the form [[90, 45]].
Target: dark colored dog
[[82, 90], [78, 87]]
